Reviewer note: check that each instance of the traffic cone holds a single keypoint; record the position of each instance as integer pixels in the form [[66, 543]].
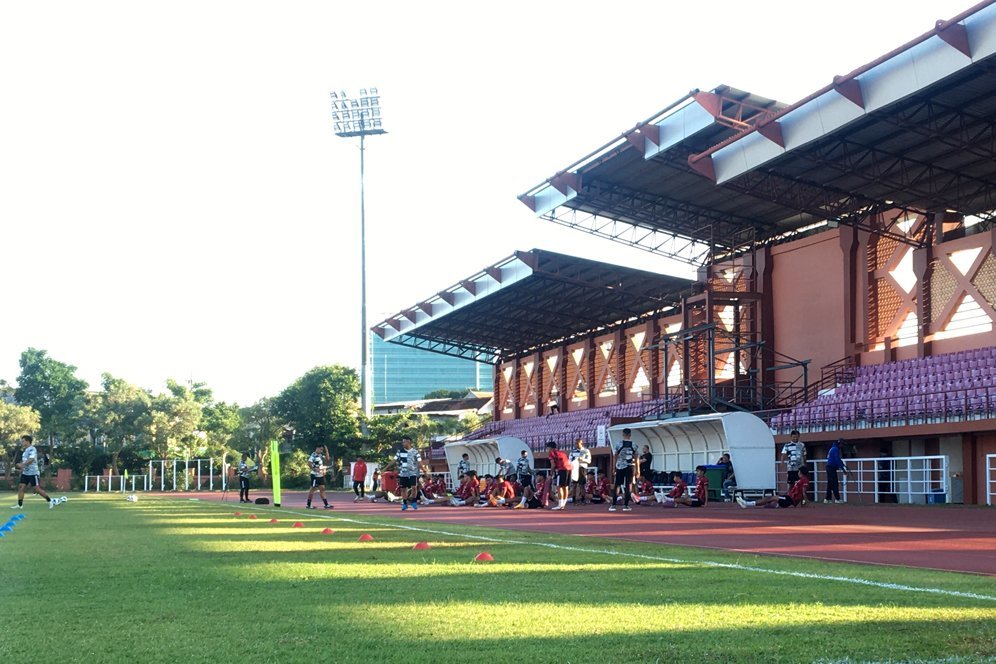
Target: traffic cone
[[297, 524], [366, 537], [237, 514], [484, 557], [327, 531], [252, 516], [421, 545]]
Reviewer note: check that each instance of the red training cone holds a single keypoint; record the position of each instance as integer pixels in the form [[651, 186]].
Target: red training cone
[[421, 545], [237, 514], [274, 521], [298, 524], [327, 531], [366, 537], [252, 516], [484, 557]]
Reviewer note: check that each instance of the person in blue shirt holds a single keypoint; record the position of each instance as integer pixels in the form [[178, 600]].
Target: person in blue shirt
[[834, 465]]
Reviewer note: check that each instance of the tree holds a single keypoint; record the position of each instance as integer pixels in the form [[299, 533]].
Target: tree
[[173, 425], [446, 394], [15, 421], [322, 407], [52, 388], [122, 416], [258, 425]]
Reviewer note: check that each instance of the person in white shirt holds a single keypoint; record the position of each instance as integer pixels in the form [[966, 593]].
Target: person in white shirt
[[30, 475]]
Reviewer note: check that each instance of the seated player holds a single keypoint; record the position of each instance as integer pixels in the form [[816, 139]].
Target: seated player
[[678, 490], [592, 492], [501, 493], [644, 491], [374, 496], [439, 487], [486, 488], [426, 492], [701, 495], [535, 496], [469, 492], [795, 496]]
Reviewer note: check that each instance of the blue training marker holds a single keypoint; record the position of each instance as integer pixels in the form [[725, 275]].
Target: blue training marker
[[6, 529]]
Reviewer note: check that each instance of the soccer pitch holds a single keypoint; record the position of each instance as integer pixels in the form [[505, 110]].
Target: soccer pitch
[[172, 580]]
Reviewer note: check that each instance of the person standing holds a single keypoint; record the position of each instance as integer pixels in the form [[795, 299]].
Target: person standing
[[359, 478], [523, 470], [243, 471], [375, 480], [794, 457], [318, 462], [560, 467], [647, 463], [834, 465], [626, 459], [463, 467], [580, 458], [409, 464], [30, 475]]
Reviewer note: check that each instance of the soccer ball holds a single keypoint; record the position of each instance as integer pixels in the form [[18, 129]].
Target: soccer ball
[[132, 498], [63, 499]]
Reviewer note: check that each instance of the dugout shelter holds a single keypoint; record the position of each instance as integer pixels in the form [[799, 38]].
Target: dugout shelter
[[483, 453]]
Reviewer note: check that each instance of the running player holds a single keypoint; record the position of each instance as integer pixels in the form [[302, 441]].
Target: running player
[[30, 475], [318, 461]]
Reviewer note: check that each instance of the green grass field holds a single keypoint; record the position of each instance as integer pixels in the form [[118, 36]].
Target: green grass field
[[171, 580]]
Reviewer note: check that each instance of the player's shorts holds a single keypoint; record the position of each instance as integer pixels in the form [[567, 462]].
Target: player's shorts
[[792, 477], [317, 481], [534, 503], [695, 502], [597, 499], [30, 480], [785, 501], [562, 477], [526, 481], [243, 482], [407, 482], [624, 476]]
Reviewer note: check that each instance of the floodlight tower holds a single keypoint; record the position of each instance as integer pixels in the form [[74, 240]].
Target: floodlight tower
[[360, 116]]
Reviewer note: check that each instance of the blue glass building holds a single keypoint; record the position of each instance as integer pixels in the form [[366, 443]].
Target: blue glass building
[[402, 373]]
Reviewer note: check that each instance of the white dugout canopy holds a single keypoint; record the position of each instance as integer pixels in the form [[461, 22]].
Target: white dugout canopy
[[483, 453], [686, 442]]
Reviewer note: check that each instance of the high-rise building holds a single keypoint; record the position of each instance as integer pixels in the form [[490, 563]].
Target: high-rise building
[[402, 373]]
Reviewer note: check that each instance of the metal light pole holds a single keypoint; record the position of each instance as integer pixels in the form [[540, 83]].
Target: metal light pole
[[360, 116]]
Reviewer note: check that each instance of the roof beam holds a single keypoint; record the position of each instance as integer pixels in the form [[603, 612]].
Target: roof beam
[[955, 35]]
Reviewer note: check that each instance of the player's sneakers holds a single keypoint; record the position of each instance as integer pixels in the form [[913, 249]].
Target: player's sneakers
[[16, 507], [556, 507], [404, 507], [330, 506], [612, 508], [415, 506], [826, 501], [310, 507], [627, 508], [52, 502], [741, 502]]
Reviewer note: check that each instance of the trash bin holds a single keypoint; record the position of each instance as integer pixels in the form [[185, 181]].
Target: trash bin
[[389, 481]]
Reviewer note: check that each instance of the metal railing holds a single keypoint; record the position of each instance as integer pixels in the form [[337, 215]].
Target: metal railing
[[906, 480], [138, 483], [990, 478]]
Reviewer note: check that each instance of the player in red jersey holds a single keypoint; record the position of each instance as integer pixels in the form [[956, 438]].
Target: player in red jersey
[[678, 490], [644, 493], [468, 491], [560, 468], [701, 496], [796, 494]]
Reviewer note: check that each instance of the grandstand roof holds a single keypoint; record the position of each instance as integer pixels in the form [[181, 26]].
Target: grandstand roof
[[913, 129], [528, 301]]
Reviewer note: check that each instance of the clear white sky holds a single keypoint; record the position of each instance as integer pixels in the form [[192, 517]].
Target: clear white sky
[[173, 202]]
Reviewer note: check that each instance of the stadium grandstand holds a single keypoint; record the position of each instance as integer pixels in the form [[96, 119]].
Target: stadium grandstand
[[846, 271]]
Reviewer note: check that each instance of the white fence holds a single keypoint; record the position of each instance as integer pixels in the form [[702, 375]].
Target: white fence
[[131, 483], [990, 478], [907, 480], [187, 474]]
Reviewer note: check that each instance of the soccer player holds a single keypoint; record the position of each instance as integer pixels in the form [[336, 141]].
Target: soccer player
[[505, 468], [30, 475], [625, 454], [359, 478], [535, 497], [795, 496], [408, 461], [678, 489], [644, 491], [701, 496], [523, 471], [794, 457], [243, 471], [560, 467], [318, 462], [463, 467], [468, 492]]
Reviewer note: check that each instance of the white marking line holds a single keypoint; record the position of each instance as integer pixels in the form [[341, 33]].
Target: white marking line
[[661, 559]]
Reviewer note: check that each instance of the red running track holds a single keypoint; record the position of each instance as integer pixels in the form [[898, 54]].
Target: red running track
[[942, 537]]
